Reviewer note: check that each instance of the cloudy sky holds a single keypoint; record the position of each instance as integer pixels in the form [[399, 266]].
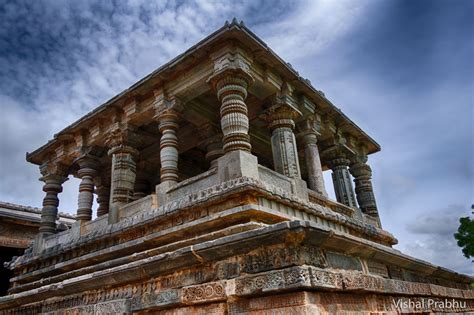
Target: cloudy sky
[[402, 70]]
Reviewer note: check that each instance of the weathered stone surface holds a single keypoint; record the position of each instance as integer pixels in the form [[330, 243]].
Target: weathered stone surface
[[204, 293], [231, 227], [155, 300], [340, 261], [377, 268]]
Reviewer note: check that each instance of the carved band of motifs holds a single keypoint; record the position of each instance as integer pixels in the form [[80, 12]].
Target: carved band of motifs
[[292, 278], [191, 200]]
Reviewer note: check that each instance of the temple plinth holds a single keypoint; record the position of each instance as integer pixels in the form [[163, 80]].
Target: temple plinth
[[211, 199]]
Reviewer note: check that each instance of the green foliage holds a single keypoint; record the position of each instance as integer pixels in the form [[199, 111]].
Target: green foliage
[[465, 236]]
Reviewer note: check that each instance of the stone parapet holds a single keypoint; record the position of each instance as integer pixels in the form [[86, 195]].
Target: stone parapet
[[280, 203]]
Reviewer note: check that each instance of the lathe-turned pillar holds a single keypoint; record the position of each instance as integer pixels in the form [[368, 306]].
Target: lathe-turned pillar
[[103, 199], [231, 80], [362, 174], [342, 181], [123, 172], [212, 142], [87, 172], [168, 124], [102, 190], [53, 178], [142, 187]]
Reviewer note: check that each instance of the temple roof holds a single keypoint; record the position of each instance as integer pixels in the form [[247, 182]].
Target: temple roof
[[233, 31], [29, 214]]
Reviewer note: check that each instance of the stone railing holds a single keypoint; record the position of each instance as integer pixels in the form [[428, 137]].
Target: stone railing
[[192, 189]]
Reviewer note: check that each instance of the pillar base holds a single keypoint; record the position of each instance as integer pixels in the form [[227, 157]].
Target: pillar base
[[162, 191], [237, 164]]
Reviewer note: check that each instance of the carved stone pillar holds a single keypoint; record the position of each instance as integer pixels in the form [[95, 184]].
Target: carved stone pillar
[[214, 150], [313, 162], [123, 173], [168, 120], [342, 181], [285, 152], [103, 199], [87, 172], [362, 174], [52, 187], [102, 190], [213, 142], [231, 82], [142, 188]]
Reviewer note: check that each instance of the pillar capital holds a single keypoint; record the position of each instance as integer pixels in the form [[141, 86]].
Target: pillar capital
[[88, 166], [231, 66], [309, 129], [167, 109], [53, 179], [282, 113], [361, 170], [167, 119], [339, 162], [122, 141], [308, 138], [52, 169]]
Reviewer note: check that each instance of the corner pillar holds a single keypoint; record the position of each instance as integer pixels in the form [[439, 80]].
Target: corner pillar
[[231, 80], [342, 181], [49, 213], [362, 174]]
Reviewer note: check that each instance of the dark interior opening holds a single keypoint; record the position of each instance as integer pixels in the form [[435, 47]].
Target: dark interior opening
[[6, 255]]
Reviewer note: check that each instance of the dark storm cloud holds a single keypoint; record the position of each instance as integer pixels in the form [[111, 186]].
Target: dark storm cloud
[[406, 76], [402, 70]]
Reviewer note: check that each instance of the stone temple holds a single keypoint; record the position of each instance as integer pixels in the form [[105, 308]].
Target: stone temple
[[211, 200]]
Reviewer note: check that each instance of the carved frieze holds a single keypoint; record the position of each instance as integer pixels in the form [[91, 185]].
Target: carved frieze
[[156, 299], [341, 261], [325, 279], [204, 293], [273, 281], [268, 259], [377, 268], [359, 281]]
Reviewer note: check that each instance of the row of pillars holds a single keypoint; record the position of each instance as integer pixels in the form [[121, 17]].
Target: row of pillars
[[232, 92], [123, 182], [231, 88]]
